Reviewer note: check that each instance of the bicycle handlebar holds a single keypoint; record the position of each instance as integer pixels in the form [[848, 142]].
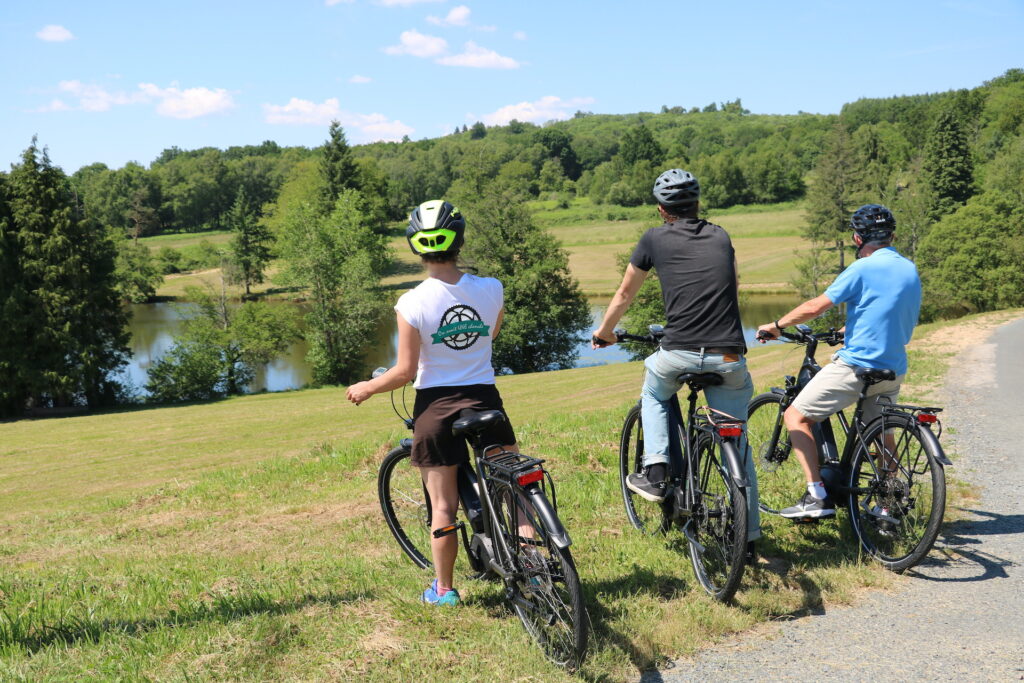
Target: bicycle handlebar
[[803, 336]]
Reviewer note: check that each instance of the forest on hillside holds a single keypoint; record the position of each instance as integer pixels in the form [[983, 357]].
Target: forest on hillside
[[948, 164]]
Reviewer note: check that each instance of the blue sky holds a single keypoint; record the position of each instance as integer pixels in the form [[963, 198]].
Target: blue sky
[[115, 81]]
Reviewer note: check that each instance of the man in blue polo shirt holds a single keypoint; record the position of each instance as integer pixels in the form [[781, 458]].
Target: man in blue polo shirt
[[883, 296]]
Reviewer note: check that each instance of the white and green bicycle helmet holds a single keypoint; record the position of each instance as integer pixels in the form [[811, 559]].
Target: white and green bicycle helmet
[[435, 227]]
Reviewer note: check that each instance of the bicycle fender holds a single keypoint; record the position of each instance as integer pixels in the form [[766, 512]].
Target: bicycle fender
[[732, 459], [552, 525], [929, 436]]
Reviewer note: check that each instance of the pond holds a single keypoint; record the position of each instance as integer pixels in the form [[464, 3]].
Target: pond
[[153, 327]]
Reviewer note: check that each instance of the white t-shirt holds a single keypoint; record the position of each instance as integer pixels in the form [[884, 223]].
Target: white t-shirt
[[456, 326]]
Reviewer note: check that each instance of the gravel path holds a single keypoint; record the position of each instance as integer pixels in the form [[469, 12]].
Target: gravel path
[[959, 615]]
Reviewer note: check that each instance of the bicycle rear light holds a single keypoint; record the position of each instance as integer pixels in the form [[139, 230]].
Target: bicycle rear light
[[731, 430], [927, 418], [530, 477]]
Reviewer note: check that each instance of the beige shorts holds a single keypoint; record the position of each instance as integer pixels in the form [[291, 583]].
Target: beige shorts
[[836, 387]]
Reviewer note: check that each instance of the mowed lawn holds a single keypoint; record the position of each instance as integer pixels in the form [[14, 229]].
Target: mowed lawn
[[767, 241], [242, 540]]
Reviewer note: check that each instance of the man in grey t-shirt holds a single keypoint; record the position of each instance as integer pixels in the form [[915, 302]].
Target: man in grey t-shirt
[[696, 267]]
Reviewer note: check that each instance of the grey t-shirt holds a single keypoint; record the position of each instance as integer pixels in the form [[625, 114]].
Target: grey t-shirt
[[695, 262]]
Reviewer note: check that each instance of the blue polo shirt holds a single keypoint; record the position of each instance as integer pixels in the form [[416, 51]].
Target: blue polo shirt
[[883, 297]]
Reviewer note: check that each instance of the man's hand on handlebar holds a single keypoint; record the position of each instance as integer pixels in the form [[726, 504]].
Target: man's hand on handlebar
[[768, 332], [599, 340]]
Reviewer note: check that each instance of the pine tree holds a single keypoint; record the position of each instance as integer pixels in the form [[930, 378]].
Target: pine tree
[[948, 164], [15, 309], [250, 244], [337, 167], [71, 336], [829, 204]]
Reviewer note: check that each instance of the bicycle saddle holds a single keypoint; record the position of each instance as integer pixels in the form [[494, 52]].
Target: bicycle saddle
[[872, 376], [474, 422], [699, 380]]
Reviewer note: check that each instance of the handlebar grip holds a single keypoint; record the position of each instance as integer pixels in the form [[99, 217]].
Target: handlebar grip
[[598, 342]]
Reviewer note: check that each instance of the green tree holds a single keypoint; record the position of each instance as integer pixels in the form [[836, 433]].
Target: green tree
[[136, 272], [332, 256], [639, 145], [545, 311], [220, 347], [971, 260], [337, 166], [250, 244], [830, 198], [648, 307], [558, 145], [948, 163], [829, 203], [69, 329], [477, 132]]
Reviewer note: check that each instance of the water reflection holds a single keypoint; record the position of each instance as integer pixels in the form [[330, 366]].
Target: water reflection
[[153, 327]]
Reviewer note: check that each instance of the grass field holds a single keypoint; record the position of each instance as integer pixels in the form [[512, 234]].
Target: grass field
[[766, 238], [188, 239], [241, 540]]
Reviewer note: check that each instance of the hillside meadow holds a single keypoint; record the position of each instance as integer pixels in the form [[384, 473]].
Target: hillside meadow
[[242, 540], [767, 241]]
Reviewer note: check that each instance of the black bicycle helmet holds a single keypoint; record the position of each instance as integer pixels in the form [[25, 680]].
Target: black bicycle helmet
[[873, 222], [676, 188], [435, 227]]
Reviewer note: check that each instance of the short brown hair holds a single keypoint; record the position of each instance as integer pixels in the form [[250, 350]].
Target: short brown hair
[[441, 256]]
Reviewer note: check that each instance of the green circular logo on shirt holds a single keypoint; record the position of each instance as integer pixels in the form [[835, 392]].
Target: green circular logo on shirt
[[460, 327]]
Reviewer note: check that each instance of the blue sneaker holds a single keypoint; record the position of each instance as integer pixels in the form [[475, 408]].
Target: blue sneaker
[[431, 597]]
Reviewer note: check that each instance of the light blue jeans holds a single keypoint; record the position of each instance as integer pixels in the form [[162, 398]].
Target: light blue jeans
[[731, 396]]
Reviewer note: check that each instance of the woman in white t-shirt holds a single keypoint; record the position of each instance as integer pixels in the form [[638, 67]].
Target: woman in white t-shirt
[[445, 329]]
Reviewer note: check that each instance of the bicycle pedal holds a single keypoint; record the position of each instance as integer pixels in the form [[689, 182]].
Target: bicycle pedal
[[807, 520], [448, 530]]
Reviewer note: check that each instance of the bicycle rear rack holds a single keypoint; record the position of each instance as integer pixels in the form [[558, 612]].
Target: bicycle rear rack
[[508, 466]]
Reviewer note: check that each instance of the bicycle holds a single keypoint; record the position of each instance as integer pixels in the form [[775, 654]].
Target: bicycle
[[501, 495], [706, 485], [890, 474]]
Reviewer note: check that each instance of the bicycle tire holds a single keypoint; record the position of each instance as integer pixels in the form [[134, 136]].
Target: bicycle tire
[[648, 517], [780, 477], [719, 540], [898, 521], [546, 595], [406, 505]]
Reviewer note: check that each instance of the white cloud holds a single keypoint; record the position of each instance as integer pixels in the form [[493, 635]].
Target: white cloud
[[180, 104], [371, 127], [360, 79], [545, 109], [479, 58], [54, 33], [418, 45], [457, 16], [332, 3], [189, 103], [93, 97], [519, 35]]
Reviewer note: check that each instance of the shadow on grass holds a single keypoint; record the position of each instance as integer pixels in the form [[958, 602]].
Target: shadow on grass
[[34, 633]]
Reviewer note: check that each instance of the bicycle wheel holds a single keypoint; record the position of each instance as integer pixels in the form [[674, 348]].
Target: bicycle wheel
[[719, 524], [406, 505], [644, 515], [546, 594], [780, 478], [897, 500]]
